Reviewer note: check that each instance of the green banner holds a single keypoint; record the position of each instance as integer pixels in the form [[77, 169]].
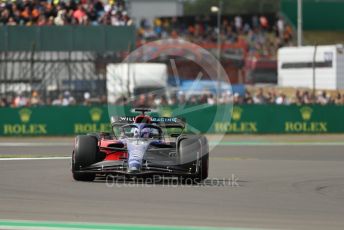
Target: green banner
[[317, 14], [260, 119], [100, 38], [264, 119]]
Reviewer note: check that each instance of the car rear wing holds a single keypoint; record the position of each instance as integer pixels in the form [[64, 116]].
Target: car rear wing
[[165, 122]]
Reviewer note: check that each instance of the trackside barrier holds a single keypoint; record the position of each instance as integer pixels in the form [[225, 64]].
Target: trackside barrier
[[260, 119], [67, 38]]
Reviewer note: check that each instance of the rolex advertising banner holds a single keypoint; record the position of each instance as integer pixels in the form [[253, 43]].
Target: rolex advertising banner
[[53, 120], [255, 119], [265, 119]]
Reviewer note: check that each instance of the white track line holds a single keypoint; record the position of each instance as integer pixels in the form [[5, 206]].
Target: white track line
[[32, 158], [34, 144]]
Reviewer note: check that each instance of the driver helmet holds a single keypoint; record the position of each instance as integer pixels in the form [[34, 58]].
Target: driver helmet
[[145, 133]]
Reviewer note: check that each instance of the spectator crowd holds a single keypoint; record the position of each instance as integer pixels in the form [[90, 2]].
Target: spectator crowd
[[60, 12], [261, 36], [260, 96], [301, 97], [35, 99]]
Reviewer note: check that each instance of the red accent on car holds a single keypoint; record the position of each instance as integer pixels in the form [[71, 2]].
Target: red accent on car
[[116, 156], [143, 119], [111, 155]]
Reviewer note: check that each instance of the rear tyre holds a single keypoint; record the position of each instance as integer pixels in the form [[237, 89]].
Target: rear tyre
[[85, 152]]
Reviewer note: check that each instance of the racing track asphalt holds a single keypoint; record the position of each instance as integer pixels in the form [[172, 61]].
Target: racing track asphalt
[[284, 187]]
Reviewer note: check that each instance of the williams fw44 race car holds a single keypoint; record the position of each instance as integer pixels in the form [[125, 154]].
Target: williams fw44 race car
[[138, 147]]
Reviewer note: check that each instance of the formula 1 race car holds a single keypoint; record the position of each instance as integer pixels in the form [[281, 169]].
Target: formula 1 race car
[[138, 147]]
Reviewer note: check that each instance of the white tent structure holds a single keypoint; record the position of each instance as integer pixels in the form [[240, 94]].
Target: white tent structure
[[126, 79], [321, 67]]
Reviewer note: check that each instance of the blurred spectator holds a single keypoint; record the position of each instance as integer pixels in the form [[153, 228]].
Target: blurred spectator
[[87, 97], [20, 100], [238, 23], [35, 99], [255, 22], [322, 98], [288, 35], [306, 98], [226, 98], [173, 101], [338, 99], [151, 100], [4, 102], [298, 97], [280, 28], [65, 100], [11, 22], [193, 100], [163, 101], [282, 99], [122, 101], [211, 100], [271, 98], [248, 99], [103, 99], [68, 99], [259, 98], [80, 15], [237, 99], [141, 102], [58, 101], [264, 23], [181, 99]]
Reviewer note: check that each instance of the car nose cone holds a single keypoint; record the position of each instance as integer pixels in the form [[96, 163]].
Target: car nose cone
[[133, 169]]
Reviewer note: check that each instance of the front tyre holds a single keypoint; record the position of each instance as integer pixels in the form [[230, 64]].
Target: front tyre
[[195, 150], [84, 154], [203, 169], [83, 176]]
